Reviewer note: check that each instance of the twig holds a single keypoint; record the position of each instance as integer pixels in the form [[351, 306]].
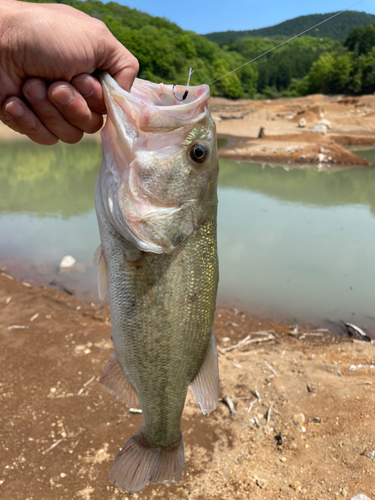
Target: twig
[[269, 412], [85, 385], [89, 381], [135, 410], [251, 405], [34, 317], [17, 327], [54, 444], [270, 367], [248, 340], [7, 276], [227, 401]]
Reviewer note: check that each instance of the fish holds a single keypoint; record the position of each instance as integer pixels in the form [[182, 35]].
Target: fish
[[156, 204]]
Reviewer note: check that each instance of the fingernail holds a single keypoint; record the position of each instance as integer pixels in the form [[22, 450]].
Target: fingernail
[[14, 109], [63, 95], [36, 90], [84, 86]]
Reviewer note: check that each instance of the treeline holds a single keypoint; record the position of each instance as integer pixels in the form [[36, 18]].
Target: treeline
[[277, 69], [350, 68], [304, 65]]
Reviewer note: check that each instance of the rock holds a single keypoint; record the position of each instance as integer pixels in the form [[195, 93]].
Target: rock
[[261, 133], [67, 263], [371, 455], [319, 129], [262, 483], [299, 418], [321, 157], [302, 123], [324, 123], [352, 368], [296, 485], [360, 496]]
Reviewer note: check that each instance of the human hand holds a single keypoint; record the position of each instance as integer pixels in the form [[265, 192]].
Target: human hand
[[47, 55]]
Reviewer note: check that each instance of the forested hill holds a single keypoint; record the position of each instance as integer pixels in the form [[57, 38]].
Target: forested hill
[[337, 29]]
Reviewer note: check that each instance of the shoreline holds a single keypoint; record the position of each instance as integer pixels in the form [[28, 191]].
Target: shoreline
[[349, 122]]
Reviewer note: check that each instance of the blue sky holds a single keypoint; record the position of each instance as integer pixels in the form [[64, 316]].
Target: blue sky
[[205, 16]]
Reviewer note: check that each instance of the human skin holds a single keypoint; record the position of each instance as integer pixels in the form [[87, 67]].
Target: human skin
[[48, 53]]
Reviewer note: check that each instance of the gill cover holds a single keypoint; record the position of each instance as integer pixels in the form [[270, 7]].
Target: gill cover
[[159, 157]]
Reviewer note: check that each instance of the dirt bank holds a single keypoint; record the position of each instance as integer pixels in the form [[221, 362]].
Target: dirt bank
[[59, 430], [349, 122]]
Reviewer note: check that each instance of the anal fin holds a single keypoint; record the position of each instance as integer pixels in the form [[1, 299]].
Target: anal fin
[[100, 261], [114, 380], [205, 385]]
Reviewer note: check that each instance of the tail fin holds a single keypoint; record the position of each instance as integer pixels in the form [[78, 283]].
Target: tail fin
[[138, 463]]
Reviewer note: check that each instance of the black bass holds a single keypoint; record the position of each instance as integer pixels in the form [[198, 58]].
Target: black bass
[[156, 203]]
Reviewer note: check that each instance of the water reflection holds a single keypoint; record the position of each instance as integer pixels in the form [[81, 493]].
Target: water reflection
[[293, 243]]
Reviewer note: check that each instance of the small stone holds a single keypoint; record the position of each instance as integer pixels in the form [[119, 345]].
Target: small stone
[[302, 428], [302, 123], [262, 483], [360, 496], [317, 420], [299, 418], [296, 485], [283, 459], [67, 262], [293, 446], [371, 455], [62, 475], [352, 368]]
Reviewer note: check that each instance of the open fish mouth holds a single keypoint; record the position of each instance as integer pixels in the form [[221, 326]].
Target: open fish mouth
[[152, 185]]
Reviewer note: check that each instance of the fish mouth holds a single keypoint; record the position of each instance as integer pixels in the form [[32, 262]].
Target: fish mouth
[[156, 107]]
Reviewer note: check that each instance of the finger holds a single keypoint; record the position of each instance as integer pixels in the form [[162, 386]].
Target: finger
[[118, 61], [35, 91], [22, 119], [74, 108], [90, 88]]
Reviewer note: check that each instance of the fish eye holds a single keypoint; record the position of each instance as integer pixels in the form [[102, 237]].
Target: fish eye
[[198, 153]]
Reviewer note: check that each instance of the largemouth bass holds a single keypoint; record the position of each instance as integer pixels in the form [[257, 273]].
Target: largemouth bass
[[156, 203]]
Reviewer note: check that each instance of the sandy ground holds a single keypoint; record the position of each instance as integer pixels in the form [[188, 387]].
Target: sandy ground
[[351, 119], [303, 426]]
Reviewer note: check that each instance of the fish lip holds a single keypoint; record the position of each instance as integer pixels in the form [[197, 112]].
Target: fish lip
[[181, 106]]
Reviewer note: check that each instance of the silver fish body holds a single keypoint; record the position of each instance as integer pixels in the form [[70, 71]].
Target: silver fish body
[[156, 205]]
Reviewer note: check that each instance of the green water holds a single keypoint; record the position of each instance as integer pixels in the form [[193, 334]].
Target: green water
[[294, 244]]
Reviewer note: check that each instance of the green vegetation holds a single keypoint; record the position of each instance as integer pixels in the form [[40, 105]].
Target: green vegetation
[[337, 29], [277, 69], [305, 65], [349, 69]]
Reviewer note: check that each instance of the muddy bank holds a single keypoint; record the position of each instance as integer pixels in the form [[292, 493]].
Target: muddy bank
[[59, 430]]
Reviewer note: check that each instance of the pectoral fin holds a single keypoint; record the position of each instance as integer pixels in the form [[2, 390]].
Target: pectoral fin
[[205, 386], [114, 380], [100, 261]]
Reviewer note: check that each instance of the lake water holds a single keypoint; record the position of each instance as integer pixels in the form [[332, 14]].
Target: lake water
[[295, 244]]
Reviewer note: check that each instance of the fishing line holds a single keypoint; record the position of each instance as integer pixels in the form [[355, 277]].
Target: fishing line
[[287, 41]]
